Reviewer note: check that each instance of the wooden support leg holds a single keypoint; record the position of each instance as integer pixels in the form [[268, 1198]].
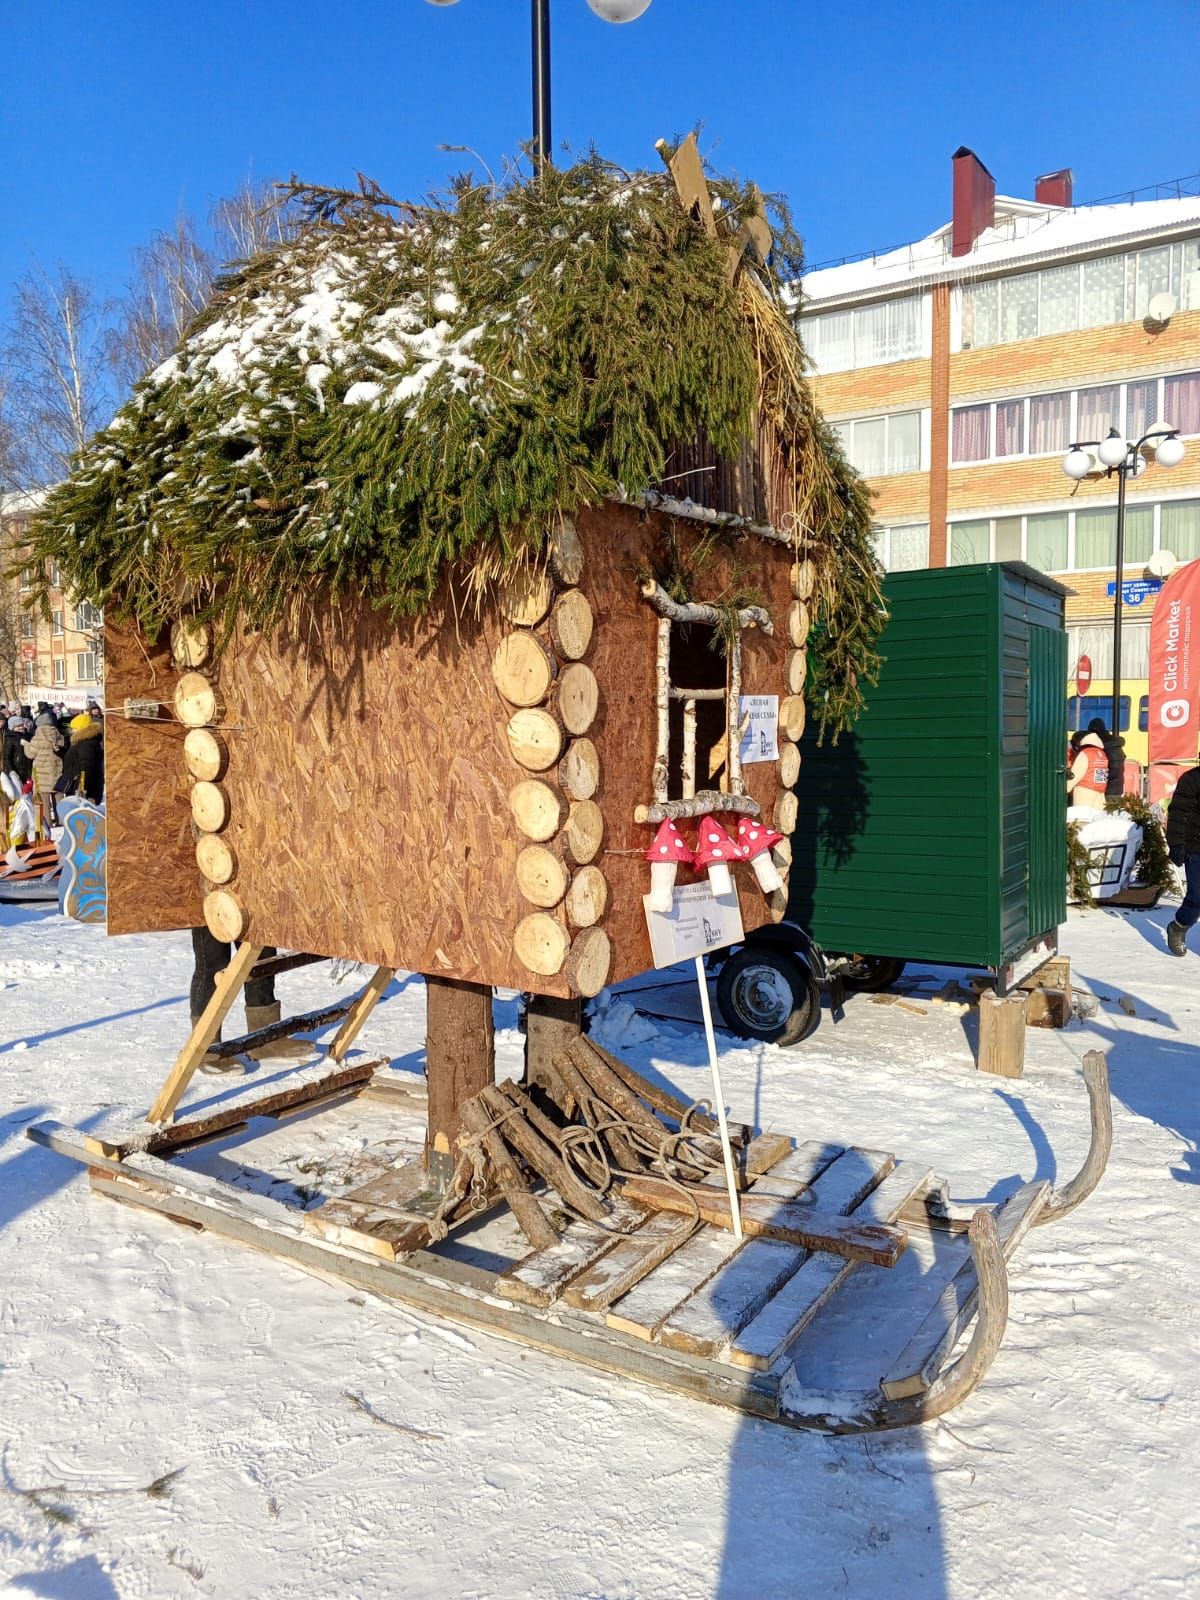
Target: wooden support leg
[[459, 1061], [551, 1026], [228, 987], [1002, 1034], [359, 1012]]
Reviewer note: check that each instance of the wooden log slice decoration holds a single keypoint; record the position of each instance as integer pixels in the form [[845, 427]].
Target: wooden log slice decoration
[[525, 596], [799, 623], [577, 697], [541, 876], [579, 770], [787, 808], [793, 714], [797, 671], [225, 915], [541, 943], [783, 855], [540, 811], [587, 898], [804, 579], [589, 962], [571, 625], [789, 763], [584, 832], [191, 643], [210, 807], [215, 858], [522, 669], [204, 754], [566, 553], [535, 739], [196, 701]]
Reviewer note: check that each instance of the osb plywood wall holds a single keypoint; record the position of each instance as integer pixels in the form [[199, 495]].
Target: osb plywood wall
[[152, 879], [369, 773]]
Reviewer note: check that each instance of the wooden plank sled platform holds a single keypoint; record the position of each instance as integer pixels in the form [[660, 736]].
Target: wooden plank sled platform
[[663, 1296]]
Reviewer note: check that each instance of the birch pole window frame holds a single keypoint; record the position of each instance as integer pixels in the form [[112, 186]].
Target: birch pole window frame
[[693, 802]]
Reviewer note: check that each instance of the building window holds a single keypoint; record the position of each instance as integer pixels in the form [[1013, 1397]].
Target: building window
[[1010, 428], [903, 549], [1095, 641], [28, 626], [1080, 541], [1049, 423], [865, 336], [85, 666], [971, 434], [56, 622], [59, 669], [88, 618], [1181, 402], [29, 673], [55, 575], [1084, 294], [878, 446], [27, 577]]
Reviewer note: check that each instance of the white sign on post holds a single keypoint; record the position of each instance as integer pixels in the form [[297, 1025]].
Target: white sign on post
[[697, 922], [760, 718]]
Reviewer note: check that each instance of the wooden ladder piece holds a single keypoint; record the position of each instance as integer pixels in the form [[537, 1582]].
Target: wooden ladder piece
[[764, 1337], [228, 987], [917, 1367], [718, 1311]]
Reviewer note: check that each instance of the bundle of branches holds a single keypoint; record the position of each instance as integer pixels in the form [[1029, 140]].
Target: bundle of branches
[[400, 392]]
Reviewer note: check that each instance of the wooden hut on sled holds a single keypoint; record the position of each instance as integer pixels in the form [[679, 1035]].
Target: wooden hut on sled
[[439, 567]]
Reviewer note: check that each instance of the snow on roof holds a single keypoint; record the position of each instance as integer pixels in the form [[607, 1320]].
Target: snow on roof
[[1024, 234]]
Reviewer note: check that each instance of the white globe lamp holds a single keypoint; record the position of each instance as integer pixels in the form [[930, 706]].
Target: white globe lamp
[[1170, 452], [619, 10], [1078, 463], [1113, 450]]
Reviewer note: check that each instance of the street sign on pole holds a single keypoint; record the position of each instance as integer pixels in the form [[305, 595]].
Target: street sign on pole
[[1083, 676]]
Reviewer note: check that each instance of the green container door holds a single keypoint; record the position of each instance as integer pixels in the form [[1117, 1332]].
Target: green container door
[[934, 830]]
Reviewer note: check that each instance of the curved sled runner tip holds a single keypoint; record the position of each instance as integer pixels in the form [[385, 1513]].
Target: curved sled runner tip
[[1095, 1076]]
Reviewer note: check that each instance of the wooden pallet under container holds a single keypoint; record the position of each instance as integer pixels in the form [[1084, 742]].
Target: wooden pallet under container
[[648, 1294]]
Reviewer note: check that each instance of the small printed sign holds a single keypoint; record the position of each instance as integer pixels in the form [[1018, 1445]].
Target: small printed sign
[[760, 719], [1083, 675], [697, 922], [1134, 590]]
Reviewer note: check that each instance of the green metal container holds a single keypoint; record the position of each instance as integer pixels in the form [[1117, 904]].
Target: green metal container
[[936, 829]]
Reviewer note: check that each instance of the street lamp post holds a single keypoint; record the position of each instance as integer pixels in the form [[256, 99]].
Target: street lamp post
[[539, 41], [1116, 454]]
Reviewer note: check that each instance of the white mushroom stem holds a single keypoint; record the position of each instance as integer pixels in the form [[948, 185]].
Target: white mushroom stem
[[718, 876], [662, 885], [766, 872]]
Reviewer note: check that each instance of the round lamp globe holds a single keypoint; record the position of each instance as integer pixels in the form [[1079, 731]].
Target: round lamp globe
[[1170, 452], [619, 10]]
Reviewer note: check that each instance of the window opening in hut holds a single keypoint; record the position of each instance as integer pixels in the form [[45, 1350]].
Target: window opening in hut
[[698, 750]]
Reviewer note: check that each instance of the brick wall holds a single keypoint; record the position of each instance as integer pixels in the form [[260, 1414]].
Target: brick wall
[[1066, 360]]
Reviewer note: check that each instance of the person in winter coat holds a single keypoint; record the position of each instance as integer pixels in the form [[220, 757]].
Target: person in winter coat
[[1183, 841], [83, 764], [20, 728], [1087, 780], [43, 752], [1114, 749]]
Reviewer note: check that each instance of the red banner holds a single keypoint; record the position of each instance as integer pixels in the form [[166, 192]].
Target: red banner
[[1175, 667]]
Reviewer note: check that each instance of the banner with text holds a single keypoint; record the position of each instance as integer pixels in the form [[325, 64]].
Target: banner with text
[[1175, 668]]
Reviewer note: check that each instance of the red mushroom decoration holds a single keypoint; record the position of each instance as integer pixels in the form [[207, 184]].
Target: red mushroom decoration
[[757, 841], [714, 851], [665, 855]]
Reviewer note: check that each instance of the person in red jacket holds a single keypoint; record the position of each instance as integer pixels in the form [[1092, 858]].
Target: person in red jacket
[[1087, 781]]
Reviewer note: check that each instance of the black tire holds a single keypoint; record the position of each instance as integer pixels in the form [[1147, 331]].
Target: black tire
[[870, 974], [767, 994]]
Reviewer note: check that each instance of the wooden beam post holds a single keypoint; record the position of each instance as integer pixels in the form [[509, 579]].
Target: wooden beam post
[[359, 1012], [551, 1026], [226, 991], [1002, 1033], [459, 1061]]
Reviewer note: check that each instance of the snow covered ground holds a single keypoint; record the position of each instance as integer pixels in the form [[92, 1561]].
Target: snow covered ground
[[183, 1417]]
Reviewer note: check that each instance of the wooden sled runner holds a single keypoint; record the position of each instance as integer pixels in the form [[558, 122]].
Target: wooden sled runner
[[646, 1283]]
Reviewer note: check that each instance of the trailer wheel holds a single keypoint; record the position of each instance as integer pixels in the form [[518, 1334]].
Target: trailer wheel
[[870, 974], [767, 994]]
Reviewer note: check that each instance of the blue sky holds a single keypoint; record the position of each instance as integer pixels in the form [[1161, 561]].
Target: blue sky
[[117, 115]]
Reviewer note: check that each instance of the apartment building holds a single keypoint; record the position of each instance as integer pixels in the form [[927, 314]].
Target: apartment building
[[959, 369], [55, 660]]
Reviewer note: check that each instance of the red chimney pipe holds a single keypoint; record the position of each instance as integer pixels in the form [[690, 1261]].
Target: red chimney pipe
[[1055, 188], [974, 201]]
